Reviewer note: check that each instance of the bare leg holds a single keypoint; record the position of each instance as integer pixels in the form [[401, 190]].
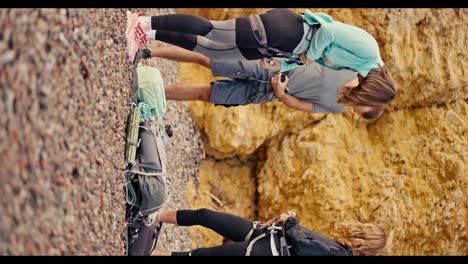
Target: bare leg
[[182, 55], [183, 92], [168, 217]]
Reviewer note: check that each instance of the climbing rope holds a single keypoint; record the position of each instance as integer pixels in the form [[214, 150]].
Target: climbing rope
[[145, 111]]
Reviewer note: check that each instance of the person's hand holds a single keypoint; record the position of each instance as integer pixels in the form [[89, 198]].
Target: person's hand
[[271, 64], [278, 86], [284, 216], [303, 58]]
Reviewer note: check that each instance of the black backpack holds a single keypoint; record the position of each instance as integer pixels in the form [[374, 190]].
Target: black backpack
[[304, 242], [147, 183], [146, 190], [258, 30], [294, 240]]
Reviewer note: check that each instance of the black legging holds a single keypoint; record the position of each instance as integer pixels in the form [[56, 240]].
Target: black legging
[[230, 39], [232, 227]]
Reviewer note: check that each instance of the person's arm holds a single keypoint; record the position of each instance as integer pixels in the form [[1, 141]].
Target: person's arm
[[291, 222], [322, 39], [354, 41], [295, 103], [291, 101], [285, 216]]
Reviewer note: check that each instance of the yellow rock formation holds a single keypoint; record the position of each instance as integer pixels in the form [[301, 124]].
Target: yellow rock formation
[[227, 186], [406, 172]]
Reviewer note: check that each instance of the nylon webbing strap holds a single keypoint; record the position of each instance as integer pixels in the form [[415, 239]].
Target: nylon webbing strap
[[249, 235], [273, 230], [249, 248], [259, 32], [283, 244], [274, 251], [258, 29]]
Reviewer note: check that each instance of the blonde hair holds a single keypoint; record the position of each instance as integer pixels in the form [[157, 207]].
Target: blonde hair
[[376, 89], [364, 239]]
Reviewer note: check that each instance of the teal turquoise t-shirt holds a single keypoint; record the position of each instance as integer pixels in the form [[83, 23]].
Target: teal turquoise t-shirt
[[337, 45]]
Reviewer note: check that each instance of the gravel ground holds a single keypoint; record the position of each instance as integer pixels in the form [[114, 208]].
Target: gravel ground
[[64, 102]]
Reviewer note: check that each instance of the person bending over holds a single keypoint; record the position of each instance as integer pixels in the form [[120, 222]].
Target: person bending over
[[307, 38], [312, 88], [272, 238]]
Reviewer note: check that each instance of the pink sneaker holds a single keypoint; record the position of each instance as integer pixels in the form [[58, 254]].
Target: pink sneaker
[[136, 36]]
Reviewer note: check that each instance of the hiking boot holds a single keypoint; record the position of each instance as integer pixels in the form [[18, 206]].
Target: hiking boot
[[136, 36], [143, 53]]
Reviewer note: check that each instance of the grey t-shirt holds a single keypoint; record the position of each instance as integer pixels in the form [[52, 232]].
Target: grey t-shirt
[[318, 85]]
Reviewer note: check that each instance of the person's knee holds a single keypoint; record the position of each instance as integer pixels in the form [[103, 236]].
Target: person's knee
[[203, 212], [205, 93], [205, 61]]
